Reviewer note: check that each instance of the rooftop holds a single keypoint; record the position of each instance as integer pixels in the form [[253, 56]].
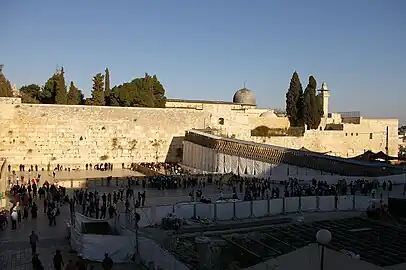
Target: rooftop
[[378, 244], [206, 102], [384, 168]]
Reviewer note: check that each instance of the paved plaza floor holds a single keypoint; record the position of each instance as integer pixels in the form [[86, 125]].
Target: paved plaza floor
[[77, 175]]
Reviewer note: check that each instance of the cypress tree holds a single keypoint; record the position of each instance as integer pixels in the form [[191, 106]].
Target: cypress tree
[[98, 90], [312, 106], [60, 88], [107, 90], [294, 102], [107, 81], [75, 96], [5, 86]]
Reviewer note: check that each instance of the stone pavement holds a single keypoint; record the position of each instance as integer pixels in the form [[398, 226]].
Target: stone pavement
[[77, 175]]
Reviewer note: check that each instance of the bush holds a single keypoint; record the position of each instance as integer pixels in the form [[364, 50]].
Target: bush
[[264, 131]]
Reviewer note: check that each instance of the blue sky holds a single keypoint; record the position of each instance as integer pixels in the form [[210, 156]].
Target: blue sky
[[206, 49]]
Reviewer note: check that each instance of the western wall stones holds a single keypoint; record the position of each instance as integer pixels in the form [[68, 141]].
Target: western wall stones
[[75, 135]]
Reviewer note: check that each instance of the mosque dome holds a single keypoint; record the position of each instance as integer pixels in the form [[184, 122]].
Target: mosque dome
[[245, 96], [268, 114]]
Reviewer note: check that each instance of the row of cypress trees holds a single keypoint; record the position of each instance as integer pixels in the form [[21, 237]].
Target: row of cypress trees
[[303, 108]]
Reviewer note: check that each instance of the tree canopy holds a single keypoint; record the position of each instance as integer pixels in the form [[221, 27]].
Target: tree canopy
[[294, 102], [98, 90], [303, 107], [140, 92], [312, 107], [60, 88], [75, 96], [30, 93], [5, 86], [146, 91]]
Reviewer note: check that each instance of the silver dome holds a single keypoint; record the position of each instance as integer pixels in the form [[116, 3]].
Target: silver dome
[[268, 114], [245, 96]]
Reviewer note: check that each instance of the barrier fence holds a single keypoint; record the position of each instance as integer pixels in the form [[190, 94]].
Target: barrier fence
[[224, 211]]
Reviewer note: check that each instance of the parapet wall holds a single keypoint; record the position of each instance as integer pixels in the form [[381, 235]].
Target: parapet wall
[[76, 135]]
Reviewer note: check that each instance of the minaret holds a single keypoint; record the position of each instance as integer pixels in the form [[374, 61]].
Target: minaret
[[324, 94]]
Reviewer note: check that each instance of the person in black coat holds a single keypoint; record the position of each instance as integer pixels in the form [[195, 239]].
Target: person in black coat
[[34, 211], [36, 263]]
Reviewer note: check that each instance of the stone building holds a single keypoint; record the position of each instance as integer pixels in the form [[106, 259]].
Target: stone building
[[47, 135]]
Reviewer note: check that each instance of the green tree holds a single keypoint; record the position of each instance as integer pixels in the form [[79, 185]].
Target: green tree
[[146, 91], [47, 95], [30, 93], [294, 102], [98, 90], [60, 88], [5, 86], [75, 96], [159, 93], [107, 90], [107, 80], [312, 107]]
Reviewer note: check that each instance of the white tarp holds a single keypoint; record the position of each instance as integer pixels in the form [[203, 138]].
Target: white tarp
[[227, 163], [195, 155], [242, 165], [120, 248], [258, 167], [210, 160], [214, 161], [267, 169], [93, 246], [191, 155], [250, 166], [207, 159], [186, 151], [234, 164], [199, 157], [220, 163]]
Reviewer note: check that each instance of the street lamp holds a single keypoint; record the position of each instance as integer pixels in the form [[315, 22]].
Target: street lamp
[[323, 236]]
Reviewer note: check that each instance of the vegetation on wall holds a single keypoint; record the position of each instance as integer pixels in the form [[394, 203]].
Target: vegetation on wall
[[303, 107], [264, 131], [5, 86], [144, 91]]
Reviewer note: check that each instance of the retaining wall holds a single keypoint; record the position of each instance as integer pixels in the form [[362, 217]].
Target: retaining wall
[[227, 211]]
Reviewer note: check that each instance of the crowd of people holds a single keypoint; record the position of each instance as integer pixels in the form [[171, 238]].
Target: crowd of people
[[23, 193], [164, 168], [26, 193]]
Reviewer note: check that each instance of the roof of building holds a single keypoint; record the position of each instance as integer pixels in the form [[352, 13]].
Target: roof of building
[[207, 102], [308, 153], [268, 114], [377, 244], [308, 257]]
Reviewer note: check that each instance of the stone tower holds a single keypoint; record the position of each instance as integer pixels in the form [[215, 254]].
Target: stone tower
[[324, 94]]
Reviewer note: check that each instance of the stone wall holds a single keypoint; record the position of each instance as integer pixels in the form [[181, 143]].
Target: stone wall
[[354, 140], [75, 135]]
